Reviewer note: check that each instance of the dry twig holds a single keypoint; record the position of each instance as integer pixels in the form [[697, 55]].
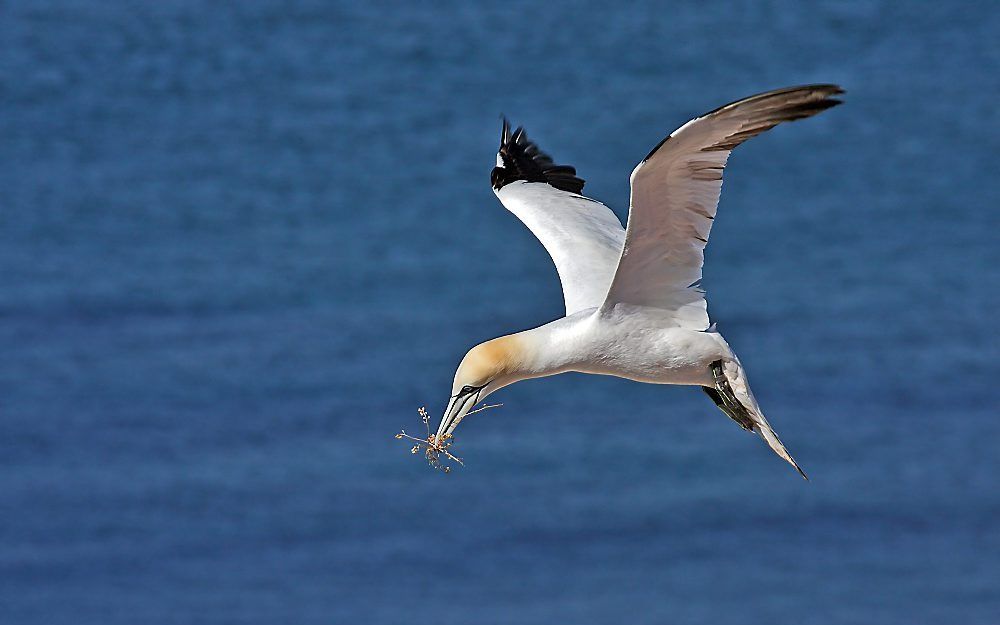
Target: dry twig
[[433, 447]]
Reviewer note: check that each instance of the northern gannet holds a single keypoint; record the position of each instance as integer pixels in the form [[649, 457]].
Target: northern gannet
[[634, 308]]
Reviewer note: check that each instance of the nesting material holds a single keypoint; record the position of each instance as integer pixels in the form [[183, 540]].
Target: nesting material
[[436, 450]]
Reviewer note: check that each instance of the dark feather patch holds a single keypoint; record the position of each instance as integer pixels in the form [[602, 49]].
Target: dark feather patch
[[523, 160], [767, 110], [783, 105]]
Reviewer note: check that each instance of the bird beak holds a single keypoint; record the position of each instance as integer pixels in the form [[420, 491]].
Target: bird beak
[[458, 407]]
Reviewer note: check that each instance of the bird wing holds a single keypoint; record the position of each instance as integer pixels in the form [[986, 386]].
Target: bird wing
[[583, 236], [675, 193]]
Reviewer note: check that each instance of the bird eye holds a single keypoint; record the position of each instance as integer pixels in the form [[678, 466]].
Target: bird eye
[[467, 389]]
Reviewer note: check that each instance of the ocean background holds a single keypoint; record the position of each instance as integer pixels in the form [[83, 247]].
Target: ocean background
[[241, 244]]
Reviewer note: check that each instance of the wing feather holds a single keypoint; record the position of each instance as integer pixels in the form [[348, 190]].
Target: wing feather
[[675, 194], [583, 236]]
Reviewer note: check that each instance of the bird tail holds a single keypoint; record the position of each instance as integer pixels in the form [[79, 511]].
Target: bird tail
[[733, 396]]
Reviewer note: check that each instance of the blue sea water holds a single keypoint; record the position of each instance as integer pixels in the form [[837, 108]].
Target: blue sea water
[[240, 244]]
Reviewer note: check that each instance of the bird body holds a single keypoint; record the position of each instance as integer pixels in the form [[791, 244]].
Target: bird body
[[630, 342], [634, 307]]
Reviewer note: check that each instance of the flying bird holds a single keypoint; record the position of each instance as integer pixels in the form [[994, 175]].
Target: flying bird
[[634, 307]]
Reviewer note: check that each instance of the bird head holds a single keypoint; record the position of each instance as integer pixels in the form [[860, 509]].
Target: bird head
[[486, 368]]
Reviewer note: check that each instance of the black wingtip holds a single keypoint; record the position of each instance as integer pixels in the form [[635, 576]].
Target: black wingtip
[[523, 160], [766, 110], [504, 130]]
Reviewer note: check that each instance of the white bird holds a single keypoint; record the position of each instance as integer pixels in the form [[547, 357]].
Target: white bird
[[634, 308]]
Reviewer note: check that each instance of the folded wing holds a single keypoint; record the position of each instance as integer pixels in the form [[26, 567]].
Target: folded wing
[[583, 236], [675, 193]]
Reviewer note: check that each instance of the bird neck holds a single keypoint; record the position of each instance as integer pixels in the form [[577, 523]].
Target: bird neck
[[547, 350]]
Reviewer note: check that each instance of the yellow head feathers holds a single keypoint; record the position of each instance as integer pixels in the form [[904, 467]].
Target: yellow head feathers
[[492, 360]]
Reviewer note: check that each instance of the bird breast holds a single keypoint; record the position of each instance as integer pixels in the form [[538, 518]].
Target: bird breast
[[639, 347]]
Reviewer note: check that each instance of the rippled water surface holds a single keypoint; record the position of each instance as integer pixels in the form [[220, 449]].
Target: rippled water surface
[[242, 244]]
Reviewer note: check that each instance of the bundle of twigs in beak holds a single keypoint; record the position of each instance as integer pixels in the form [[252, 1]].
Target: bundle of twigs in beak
[[433, 447]]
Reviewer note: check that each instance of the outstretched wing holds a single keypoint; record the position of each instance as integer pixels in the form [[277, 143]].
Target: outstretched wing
[[583, 237], [675, 193]]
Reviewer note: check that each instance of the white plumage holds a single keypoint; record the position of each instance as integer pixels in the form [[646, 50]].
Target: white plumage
[[634, 308], [583, 237]]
